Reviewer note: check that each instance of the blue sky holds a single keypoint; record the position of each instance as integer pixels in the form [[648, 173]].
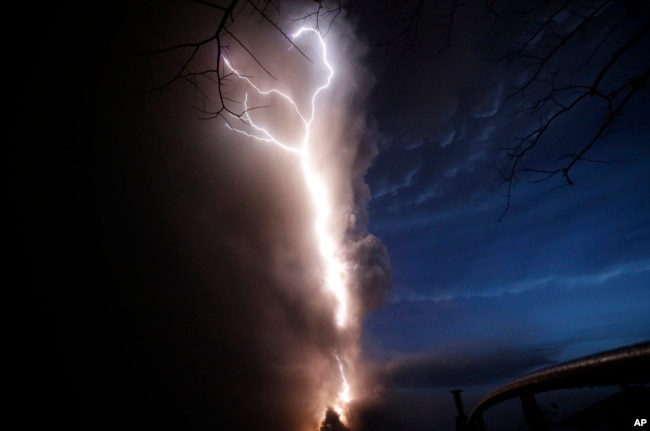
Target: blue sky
[[565, 272]]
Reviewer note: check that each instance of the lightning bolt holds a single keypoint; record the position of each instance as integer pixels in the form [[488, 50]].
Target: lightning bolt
[[344, 395], [336, 278]]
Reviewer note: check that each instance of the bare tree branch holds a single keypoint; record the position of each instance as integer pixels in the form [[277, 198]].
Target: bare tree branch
[[613, 83], [183, 55]]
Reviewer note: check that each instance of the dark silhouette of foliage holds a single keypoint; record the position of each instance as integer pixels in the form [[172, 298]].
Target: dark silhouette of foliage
[[332, 422]]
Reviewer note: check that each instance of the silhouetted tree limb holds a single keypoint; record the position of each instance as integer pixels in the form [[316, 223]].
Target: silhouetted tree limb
[[612, 74], [614, 84], [326, 12], [409, 17], [209, 82]]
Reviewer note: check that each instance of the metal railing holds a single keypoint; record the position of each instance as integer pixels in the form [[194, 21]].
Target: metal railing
[[623, 366]]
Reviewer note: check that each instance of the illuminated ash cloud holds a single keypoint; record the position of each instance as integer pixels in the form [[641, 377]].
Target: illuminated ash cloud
[[372, 272], [312, 114], [198, 296]]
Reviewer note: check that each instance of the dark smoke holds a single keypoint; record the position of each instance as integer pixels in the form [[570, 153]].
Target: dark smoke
[[171, 274], [332, 422]]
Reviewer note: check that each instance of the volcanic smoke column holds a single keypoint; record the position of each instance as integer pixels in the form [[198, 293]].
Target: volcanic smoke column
[[329, 239]]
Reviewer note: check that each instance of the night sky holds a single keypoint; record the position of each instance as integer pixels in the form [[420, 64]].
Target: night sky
[[166, 270], [565, 269]]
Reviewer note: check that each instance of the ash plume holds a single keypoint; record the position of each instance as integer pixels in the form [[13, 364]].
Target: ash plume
[[341, 148], [193, 298]]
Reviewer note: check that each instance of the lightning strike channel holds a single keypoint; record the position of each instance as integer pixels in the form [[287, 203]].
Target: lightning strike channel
[[344, 395], [336, 277]]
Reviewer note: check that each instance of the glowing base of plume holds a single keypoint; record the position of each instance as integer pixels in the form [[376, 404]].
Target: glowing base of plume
[[333, 422]]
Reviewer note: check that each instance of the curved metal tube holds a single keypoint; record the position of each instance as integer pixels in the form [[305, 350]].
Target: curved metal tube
[[626, 365]]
